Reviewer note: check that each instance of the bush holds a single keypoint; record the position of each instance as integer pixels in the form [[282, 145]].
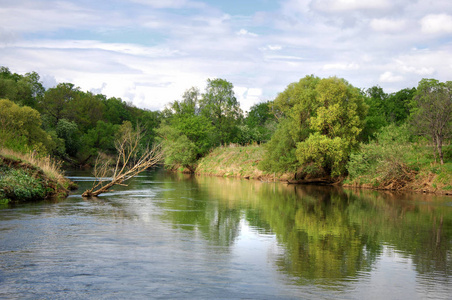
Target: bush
[[385, 161], [18, 185]]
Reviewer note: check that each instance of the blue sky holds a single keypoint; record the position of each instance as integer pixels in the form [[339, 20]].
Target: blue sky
[[150, 51]]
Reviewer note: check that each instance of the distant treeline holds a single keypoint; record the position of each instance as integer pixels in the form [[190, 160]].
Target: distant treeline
[[321, 127]]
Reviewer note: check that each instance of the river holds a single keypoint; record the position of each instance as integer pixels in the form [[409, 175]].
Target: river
[[174, 236]]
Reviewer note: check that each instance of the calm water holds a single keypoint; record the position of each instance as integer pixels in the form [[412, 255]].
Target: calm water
[[175, 236]]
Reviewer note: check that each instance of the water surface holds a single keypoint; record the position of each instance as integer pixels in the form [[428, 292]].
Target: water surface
[[174, 236]]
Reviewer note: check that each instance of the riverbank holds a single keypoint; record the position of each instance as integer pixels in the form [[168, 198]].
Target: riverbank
[[242, 162], [436, 179], [239, 162], [25, 177]]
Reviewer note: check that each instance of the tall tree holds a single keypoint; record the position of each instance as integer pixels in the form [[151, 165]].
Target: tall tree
[[432, 112], [220, 105]]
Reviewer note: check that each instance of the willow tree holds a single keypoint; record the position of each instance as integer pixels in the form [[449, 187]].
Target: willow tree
[[320, 121]]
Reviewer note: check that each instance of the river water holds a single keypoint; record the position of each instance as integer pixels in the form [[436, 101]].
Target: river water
[[173, 236]]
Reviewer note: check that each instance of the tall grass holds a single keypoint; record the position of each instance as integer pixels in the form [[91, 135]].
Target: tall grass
[[50, 167]]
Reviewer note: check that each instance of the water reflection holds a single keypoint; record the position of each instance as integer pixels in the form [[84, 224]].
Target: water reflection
[[330, 235], [233, 239]]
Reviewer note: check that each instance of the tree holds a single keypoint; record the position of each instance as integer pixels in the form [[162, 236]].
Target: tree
[[321, 120], [186, 134], [398, 105], [179, 149], [376, 100], [260, 123], [431, 113], [69, 133], [116, 111], [87, 109], [21, 89], [219, 105], [57, 102], [131, 160], [21, 127]]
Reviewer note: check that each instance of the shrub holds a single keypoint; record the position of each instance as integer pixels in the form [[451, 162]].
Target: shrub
[[385, 160], [18, 185]]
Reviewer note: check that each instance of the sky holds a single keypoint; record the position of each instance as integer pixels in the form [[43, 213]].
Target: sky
[[149, 52]]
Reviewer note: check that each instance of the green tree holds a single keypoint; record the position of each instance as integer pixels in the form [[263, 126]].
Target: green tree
[[21, 89], [178, 149], [69, 133], [98, 139], [376, 100], [57, 103], [20, 127], [260, 123], [185, 128], [398, 105], [219, 105], [323, 119], [432, 112], [87, 110], [116, 111]]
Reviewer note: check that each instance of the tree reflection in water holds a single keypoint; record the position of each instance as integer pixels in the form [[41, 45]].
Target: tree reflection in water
[[330, 234]]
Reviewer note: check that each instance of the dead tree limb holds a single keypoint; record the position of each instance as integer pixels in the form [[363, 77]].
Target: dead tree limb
[[131, 161]]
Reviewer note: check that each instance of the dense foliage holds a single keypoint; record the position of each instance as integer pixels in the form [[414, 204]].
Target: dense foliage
[[320, 122], [316, 127], [63, 120]]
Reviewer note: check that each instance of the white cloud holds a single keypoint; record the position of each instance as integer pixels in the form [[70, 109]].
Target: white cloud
[[436, 23], [248, 96], [341, 66], [150, 52], [387, 25], [390, 77], [349, 5], [271, 48], [163, 4], [246, 33]]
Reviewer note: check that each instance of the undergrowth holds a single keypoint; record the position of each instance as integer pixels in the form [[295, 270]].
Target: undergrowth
[[26, 177], [395, 161]]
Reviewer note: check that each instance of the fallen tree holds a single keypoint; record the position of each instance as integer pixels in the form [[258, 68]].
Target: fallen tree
[[131, 160]]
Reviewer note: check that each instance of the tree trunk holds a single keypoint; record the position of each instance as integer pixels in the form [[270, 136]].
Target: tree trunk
[[440, 150]]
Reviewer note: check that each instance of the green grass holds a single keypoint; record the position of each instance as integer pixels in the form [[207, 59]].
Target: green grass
[[235, 161]]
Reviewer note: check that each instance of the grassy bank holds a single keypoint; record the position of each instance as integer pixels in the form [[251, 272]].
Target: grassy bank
[[237, 161], [421, 177], [25, 177], [416, 173]]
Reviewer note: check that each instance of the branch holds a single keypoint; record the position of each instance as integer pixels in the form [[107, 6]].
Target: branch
[[127, 148]]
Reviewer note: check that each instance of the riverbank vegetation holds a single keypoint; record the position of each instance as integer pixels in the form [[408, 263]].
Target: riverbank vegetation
[[26, 177], [317, 129]]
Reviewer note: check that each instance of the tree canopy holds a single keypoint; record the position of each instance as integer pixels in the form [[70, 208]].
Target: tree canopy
[[322, 119], [432, 112]]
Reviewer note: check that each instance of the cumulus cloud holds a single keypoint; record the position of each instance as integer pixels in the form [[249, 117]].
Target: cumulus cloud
[[436, 23], [150, 52]]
